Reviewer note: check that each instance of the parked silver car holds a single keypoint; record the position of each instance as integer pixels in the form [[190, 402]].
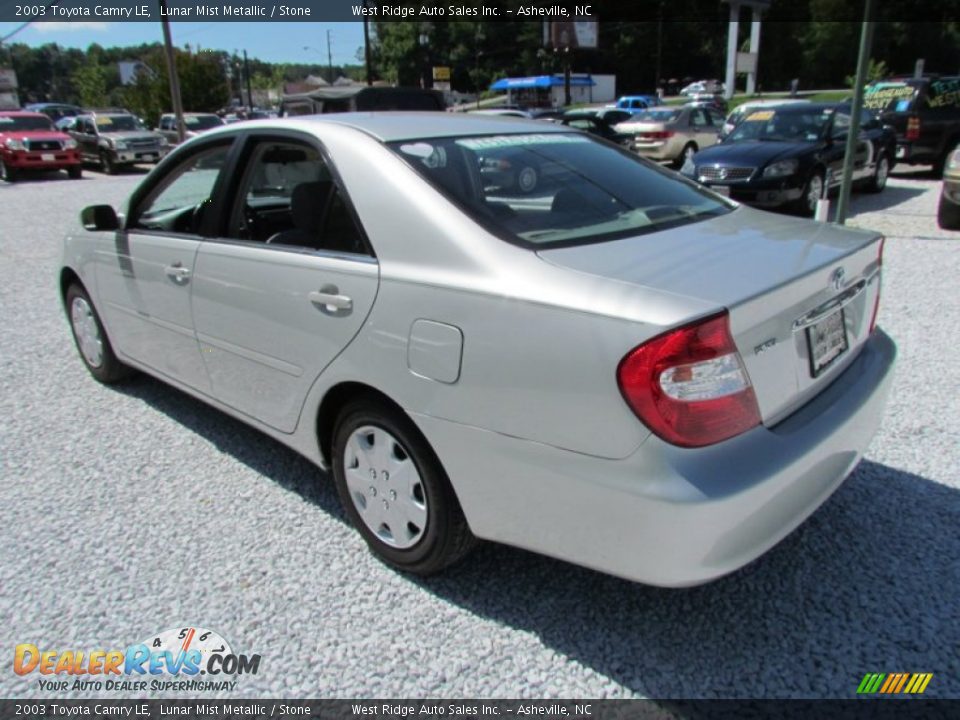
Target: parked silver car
[[672, 134], [628, 372]]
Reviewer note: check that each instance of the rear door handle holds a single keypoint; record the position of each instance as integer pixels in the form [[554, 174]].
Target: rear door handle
[[329, 297], [178, 273]]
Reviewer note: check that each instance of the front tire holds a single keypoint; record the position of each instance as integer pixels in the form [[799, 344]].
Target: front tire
[[812, 191], [527, 179], [395, 491], [948, 214], [7, 173], [91, 339], [107, 163], [75, 172]]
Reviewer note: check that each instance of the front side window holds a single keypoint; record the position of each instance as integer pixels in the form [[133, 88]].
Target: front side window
[[178, 202], [557, 189]]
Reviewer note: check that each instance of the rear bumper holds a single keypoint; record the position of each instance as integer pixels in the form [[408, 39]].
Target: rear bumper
[[666, 515], [911, 153], [658, 150]]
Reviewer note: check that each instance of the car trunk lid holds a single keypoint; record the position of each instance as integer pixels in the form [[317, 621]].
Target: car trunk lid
[[800, 295]]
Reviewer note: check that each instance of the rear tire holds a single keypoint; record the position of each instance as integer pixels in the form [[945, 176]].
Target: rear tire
[[689, 150], [395, 491], [91, 339], [75, 172], [878, 181], [948, 214]]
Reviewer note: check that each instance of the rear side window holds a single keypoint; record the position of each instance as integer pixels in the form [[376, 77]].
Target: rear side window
[[944, 93], [557, 189]]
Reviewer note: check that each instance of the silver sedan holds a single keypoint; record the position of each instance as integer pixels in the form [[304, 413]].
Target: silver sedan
[[622, 369], [672, 134]]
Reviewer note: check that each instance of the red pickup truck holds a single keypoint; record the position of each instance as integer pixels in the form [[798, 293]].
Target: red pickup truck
[[28, 141]]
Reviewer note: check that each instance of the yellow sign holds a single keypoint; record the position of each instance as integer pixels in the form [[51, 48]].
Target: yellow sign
[[441, 73], [760, 116]]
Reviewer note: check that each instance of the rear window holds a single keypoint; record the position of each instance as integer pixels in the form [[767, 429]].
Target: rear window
[[557, 189], [889, 97], [8, 123], [657, 115]]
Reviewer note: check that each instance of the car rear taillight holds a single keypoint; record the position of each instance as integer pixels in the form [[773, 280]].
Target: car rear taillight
[[689, 385], [913, 128], [657, 135], [876, 302]]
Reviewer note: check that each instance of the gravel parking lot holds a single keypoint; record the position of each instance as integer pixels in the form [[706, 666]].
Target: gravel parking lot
[[130, 510]]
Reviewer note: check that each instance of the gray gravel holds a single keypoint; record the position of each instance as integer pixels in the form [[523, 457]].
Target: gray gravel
[[128, 511]]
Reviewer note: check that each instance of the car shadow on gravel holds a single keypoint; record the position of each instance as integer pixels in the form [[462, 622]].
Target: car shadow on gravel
[[257, 451], [868, 584], [892, 195]]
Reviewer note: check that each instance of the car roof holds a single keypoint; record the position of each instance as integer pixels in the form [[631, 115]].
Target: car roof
[[405, 125], [22, 113]]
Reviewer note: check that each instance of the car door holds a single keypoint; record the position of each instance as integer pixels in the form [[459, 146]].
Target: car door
[[86, 136], [836, 151], [286, 285], [703, 131], [145, 280]]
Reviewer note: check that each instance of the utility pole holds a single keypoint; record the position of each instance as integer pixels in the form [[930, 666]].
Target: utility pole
[[863, 60], [366, 46], [246, 69], [329, 57], [172, 71]]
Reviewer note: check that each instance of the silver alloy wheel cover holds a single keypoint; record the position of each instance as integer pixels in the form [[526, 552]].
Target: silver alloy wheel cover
[[688, 152], [527, 179], [385, 487], [883, 170], [814, 191], [87, 331]]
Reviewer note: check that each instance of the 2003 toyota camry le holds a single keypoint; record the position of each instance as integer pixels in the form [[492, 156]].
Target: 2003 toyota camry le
[[620, 369]]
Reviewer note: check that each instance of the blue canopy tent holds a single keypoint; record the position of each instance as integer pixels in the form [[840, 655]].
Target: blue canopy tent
[[538, 91]]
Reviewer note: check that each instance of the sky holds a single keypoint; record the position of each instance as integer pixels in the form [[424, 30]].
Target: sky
[[273, 42]]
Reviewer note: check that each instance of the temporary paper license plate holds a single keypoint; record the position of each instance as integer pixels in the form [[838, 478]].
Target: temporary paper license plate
[[48, 157], [828, 341], [721, 190]]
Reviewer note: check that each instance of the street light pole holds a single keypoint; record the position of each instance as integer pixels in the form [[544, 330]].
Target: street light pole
[[246, 69], [329, 58], [366, 45]]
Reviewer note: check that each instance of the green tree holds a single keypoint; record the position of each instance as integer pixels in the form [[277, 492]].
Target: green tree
[[90, 85]]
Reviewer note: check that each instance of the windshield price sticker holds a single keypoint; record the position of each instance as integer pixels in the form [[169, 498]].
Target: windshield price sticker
[[104, 121], [760, 116]]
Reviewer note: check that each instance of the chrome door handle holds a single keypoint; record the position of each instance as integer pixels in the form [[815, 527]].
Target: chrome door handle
[[178, 273], [328, 297]]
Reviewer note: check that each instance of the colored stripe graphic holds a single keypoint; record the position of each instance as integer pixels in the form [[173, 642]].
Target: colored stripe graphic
[[894, 683]]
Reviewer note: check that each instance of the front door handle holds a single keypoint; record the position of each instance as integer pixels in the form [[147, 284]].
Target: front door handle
[[178, 273], [329, 297]]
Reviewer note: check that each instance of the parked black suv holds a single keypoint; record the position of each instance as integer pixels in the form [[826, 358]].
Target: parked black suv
[[925, 112]]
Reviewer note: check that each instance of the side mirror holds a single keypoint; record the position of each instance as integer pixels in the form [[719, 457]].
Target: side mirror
[[99, 217]]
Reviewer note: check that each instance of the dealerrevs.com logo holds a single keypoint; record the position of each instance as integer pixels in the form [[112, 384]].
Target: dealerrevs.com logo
[[189, 659]]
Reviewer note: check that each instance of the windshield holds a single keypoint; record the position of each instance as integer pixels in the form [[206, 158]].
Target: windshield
[[656, 115], [117, 123], [889, 97], [12, 123], [782, 125], [557, 189], [202, 122]]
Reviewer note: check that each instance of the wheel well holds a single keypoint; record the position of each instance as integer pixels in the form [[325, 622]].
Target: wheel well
[[334, 401], [67, 278]]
